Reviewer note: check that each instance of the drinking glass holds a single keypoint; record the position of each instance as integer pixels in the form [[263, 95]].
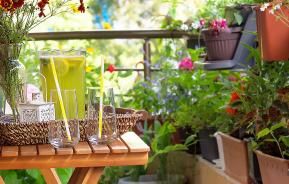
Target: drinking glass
[[108, 131], [64, 131]]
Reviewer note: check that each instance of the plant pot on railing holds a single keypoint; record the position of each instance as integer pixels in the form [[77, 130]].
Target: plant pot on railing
[[273, 169], [236, 158], [221, 45], [273, 34], [208, 144]]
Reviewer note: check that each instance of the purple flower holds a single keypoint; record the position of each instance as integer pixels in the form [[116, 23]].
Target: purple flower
[[186, 64]]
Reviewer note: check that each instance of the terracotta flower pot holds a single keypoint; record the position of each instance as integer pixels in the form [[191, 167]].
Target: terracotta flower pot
[[236, 158], [273, 169], [223, 45], [273, 35]]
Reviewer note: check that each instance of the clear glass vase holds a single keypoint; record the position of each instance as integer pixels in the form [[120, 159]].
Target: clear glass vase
[[11, 78]]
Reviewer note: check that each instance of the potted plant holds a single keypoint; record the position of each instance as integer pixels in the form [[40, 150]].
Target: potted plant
[[272, 26], [161, 145], [220, 40], [254, 106], [273, 144], [200, 107]]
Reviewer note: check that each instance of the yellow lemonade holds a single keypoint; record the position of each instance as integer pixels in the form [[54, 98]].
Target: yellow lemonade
[[71, 75]]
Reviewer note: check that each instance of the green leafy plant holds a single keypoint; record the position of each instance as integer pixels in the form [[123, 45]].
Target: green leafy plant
[[276, 136], [260, 101], [161, 145]]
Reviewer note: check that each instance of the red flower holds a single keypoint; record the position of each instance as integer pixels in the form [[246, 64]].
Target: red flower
[[6, 4], [231, 111], [17, 4], [81, 7], [41, 5], [111, 68], [234, 97]]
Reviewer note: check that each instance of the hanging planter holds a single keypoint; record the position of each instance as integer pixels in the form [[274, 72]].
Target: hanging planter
[[273, 31], [221, 46]]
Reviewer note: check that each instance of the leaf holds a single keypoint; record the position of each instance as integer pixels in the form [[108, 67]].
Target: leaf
[[36, 175], [277, 126], [64, 174], [124, 74], [191, 139], [254, 145], [168, 149], [263, 133], [285, 140], [238, 18], [11, 177]]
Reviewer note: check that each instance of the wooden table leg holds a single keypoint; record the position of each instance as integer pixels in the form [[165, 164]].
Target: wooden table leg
[[86, 175], [50, 176], [1, 180]]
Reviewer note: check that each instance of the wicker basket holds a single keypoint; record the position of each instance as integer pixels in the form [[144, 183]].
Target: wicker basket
[[14, 133]]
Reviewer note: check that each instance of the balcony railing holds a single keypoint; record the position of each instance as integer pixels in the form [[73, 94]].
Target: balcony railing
[[145, 35]]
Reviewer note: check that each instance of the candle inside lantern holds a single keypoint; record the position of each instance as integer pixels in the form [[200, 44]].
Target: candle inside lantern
[[60, 99]]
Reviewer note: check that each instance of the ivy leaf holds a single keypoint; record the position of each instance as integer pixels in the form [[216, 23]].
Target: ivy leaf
[[263, 133]]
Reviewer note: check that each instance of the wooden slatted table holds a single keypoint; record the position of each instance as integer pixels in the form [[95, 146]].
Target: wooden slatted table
[[88, 160]]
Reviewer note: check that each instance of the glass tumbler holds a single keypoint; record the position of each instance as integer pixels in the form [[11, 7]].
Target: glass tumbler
[[64, 131], [107, 132]]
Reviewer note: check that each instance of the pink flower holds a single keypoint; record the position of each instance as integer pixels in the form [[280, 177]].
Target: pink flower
[[202, 22], [186, 64], [223, 24], [219, 25]]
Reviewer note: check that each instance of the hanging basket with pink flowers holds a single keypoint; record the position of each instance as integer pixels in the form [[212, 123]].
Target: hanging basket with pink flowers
[[220, 40]]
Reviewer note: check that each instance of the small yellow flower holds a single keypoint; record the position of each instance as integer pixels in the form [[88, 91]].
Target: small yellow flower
[[74, 8], [88, 69], [89, 50], [106, 25]]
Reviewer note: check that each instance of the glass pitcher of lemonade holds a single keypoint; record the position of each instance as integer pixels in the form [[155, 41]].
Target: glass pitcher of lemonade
[[70, 70]]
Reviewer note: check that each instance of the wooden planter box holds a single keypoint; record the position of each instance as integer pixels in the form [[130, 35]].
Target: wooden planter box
[[273, 169], [236, 158]]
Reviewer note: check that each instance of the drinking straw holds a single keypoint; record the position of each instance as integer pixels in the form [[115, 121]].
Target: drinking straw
[[60, 98], [101, 99]]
